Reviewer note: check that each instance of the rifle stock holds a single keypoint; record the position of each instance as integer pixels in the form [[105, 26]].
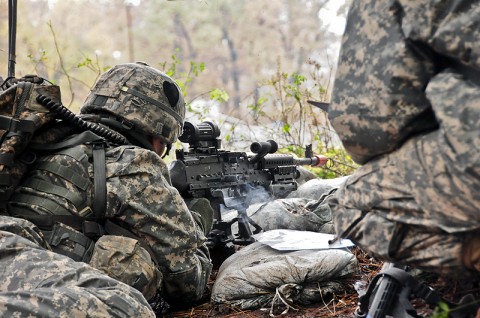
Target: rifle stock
[[390, 292]]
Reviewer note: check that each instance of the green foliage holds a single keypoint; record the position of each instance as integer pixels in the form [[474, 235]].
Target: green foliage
[[170, 68], [85, 63], [442, 310], [184, 76], [40, 59], [93, 65], [280, 100], [219, 95], [197, 68], [339, 164], [294, 90], [257, 107]]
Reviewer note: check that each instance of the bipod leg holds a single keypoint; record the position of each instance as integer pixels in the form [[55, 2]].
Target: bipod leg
[[245, 234], [220, 242]]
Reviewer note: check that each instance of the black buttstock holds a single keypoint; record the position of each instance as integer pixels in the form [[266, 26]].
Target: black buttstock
[[388, 294]]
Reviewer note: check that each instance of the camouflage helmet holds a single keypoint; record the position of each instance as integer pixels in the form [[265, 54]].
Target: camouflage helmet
[[141, 98]]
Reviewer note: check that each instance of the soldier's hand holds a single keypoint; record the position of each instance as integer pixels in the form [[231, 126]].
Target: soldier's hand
[[204, 213]]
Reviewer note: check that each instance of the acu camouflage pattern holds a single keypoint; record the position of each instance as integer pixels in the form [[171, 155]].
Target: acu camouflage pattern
[[20, 105], [76, 160], [147, 117], [125, 260], [36, 282], [141, 199], [406, 103], [140, 196]]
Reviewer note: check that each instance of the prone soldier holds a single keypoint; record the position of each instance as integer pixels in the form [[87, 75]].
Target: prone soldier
[[102, 193]]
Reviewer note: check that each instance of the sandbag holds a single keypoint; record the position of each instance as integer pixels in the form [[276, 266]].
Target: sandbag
[[294, 214], [304, 175], [260, 276], [314, 188], [302, 210]]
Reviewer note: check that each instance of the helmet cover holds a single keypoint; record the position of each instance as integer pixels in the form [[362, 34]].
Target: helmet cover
[[142, 98]]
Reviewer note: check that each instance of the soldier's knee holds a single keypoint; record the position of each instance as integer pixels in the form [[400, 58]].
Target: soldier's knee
[[124, 259]]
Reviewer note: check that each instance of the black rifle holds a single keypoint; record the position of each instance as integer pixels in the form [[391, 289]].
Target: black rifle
[[227, 179], [390, 292]]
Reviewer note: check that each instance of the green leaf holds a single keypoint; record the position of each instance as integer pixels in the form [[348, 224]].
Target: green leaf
[[262, 100], [86, 62], [298, 79], [219, 95]]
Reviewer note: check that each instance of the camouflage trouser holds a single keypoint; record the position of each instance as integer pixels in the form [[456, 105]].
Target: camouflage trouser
[[39, 283], [125, 260], [411, 206]]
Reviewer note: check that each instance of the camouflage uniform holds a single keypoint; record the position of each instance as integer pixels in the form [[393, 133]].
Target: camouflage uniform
[[39, 283], [139, 194], [406, 104], [139, 197]]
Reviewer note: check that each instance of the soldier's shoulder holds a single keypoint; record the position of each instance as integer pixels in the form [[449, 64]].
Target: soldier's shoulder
[[133, 157]]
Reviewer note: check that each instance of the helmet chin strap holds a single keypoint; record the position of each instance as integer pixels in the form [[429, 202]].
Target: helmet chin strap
[[167, 151], [137, 139], [141, 140]]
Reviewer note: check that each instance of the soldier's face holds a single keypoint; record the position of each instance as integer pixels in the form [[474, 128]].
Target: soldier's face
[[158, 146]]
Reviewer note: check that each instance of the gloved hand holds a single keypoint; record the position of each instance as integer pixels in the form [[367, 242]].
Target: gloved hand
[[202, 213]]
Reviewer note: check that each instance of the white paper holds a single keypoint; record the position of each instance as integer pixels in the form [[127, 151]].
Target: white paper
[[292, 240]]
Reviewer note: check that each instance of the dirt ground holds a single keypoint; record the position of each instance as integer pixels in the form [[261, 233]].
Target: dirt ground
[[340, 306]]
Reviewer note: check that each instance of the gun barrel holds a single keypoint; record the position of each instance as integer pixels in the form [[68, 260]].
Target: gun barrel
[[315, 161], [277, 160]]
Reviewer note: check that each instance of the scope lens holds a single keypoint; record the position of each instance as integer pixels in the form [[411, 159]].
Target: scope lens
[[206, 131]]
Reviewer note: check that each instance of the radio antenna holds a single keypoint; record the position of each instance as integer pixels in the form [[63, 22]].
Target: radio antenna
[[12, 35]]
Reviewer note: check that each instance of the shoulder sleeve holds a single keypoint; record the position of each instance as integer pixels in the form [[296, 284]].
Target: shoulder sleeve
[[144, 201], [379, 100]]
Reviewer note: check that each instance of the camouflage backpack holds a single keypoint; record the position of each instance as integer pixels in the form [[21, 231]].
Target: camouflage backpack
[[21, 115], [29, 107]]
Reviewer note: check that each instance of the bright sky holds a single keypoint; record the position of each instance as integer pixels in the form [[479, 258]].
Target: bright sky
[[328, 15]]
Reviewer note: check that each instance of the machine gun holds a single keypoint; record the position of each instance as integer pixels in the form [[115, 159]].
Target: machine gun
[[227, 179]]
